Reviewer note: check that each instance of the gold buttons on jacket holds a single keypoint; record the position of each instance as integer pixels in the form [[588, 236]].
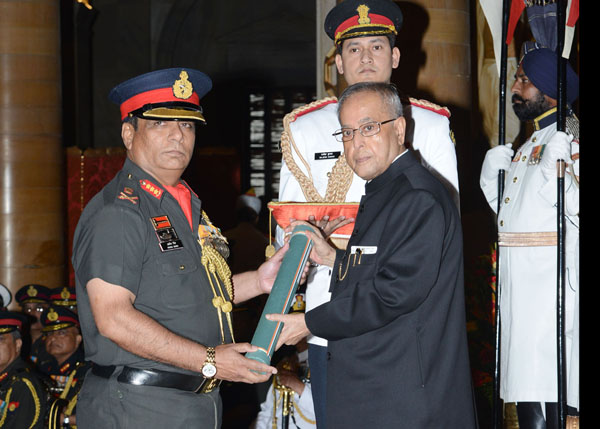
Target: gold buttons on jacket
[[182, 267], [501, 223], [506, 200], [515, 180], [524, 158]]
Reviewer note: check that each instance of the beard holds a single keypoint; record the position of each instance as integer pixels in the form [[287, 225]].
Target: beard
[[529, 109]]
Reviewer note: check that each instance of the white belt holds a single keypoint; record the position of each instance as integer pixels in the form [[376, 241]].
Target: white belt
[[527, 239]]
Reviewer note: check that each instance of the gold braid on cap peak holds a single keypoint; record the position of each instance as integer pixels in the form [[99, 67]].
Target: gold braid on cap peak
[[340, 177]]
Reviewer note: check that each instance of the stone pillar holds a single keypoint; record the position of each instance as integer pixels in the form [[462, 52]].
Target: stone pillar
[[32, 214], [436, 51]]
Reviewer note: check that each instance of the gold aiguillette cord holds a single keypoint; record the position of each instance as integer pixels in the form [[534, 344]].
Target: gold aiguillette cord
[[216, 268]]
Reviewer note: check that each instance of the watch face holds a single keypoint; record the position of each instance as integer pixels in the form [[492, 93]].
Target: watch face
[[209, 370]]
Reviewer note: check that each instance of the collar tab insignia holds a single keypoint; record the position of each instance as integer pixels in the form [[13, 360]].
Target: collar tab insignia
[[151, 188]]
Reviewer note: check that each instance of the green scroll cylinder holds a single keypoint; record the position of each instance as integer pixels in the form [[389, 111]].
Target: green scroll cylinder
[[281, 296]]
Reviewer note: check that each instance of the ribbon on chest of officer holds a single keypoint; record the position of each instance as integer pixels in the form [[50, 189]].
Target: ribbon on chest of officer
[[214, 253]]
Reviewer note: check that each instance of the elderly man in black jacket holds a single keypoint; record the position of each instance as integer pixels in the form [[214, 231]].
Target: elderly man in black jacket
[[396, 320]]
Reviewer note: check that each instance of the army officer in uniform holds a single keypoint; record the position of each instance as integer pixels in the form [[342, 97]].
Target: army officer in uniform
[[22, 395], [153, 289]]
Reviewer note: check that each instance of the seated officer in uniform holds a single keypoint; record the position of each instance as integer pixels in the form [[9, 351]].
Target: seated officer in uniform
[[22, 397], [66, 297], [33, 299], [153, 289], [65, 366]]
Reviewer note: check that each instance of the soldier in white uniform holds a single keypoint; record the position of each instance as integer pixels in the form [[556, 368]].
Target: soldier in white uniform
[[527, 238], [314, 168]]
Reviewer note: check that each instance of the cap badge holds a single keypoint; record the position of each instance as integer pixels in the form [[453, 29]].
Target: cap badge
[[32, 291], [182, 88], [363, 14], [52, 315], [65, 294]]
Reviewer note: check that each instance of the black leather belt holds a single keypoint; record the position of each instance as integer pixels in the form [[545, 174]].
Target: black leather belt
[[159, 378]]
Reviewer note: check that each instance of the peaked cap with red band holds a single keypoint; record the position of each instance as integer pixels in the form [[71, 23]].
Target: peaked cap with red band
[[32, 293], [168, 94], [11, 321], [63, 296], [358, 18], [57, 317]]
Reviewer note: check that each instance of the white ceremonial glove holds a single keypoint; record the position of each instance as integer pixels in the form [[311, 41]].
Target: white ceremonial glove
[[497, 158], [559, 147]]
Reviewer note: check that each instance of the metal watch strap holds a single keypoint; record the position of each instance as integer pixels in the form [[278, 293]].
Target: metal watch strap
[[210, 355]]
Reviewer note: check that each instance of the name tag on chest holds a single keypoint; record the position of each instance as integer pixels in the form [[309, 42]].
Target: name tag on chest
[[327, 155], [166, 234]]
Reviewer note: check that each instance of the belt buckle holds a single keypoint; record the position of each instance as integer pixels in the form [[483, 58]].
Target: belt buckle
[[208, 385]]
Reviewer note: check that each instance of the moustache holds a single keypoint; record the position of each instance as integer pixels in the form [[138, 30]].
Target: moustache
[[517, 97]]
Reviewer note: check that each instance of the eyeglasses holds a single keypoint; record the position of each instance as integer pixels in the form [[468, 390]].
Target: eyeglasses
[[366, 130]]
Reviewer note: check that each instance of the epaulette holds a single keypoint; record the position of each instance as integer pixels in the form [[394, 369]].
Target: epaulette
[[425, 104], [310, 107]]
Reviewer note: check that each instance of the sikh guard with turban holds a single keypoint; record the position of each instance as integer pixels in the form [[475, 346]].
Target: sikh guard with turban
[[527, 222]]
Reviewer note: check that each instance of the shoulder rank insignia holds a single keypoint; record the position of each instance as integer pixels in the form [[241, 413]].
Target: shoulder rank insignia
[[151, 188], [425, 104], [166, 234], [536, 154]]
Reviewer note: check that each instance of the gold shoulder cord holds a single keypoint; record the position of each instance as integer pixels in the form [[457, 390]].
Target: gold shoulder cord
[[55, 408], [302, 416], [68, 385], [276, 401], [71, 406], [218, 273], [63, 395], [6, 401], [36, 401], [340, 177], [52, 415]]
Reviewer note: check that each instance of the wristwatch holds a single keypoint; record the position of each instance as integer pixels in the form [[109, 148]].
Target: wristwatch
[[209, 369]]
